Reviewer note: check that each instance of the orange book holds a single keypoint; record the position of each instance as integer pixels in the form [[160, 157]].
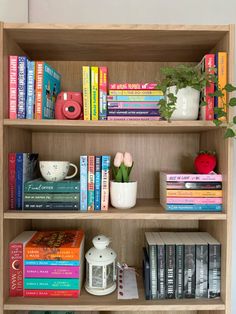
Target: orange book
[[194, 193], [222, 79], [55, 245]]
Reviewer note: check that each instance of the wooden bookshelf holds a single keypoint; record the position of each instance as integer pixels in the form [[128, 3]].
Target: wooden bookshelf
[[132, 53]]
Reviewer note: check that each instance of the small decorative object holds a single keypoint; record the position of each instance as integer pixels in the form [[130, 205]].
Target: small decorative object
[[69, 106], [123, 192], [56, 170], [100, 267], [205, 162]]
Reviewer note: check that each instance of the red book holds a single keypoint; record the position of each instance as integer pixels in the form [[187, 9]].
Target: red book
[[52, 293], [13, 86], [16, 262], [12, 180]]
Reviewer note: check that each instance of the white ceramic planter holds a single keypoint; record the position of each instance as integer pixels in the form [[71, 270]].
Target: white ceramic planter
[[187, 105], [123, 195]]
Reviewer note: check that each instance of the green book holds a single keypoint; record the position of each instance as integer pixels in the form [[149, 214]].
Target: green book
[[41, 186], [51, 197], [51, 284]]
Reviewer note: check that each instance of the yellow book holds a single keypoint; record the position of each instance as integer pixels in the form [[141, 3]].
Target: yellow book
[[222, 78], [136, 92], [86, 92], [94, 93], [194, 193]]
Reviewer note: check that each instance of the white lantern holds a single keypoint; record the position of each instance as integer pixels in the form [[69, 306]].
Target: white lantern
[[100, 267]]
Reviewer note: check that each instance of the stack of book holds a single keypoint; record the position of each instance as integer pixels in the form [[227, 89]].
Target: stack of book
[[44, 195], [181, 265], [94, 182], [33, 88], [131, 101], [191, 192], [47, 264], [22, 167], [95, 80]]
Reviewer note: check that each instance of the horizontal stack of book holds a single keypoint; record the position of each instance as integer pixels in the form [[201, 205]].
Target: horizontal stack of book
[[180, 265], [33, 88], [47, 264], [95, 82], [132, 101], [191, 192], [44, 195], [94, 182]]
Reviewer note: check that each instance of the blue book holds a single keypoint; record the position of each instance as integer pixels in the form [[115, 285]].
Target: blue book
[[19, 180], [134, 98], [97, 196], [30, 89], [194, 207], [22, 85], [50, 263], [105, 182], [83, 183], [52, 283]]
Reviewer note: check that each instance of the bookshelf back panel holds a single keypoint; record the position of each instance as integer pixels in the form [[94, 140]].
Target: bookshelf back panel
[[152, 153]]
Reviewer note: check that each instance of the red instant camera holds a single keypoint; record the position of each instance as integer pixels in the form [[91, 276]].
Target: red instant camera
[[69, 106]]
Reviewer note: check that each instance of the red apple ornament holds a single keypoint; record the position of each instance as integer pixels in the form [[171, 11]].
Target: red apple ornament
[[205, 162]]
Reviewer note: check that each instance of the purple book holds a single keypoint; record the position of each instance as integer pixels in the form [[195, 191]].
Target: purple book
[[133, 112], [52, 272]]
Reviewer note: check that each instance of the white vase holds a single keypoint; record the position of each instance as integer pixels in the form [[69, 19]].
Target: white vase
[[123, 194], [187, 105]]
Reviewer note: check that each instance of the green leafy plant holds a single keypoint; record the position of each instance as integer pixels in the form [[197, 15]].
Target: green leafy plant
[[183, 76], [122, 166]]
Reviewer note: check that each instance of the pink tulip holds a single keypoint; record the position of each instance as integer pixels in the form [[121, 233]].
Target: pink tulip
[[128, 161], [118, 159]]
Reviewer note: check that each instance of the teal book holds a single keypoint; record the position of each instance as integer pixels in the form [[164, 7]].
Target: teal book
[[52, 197], [51, 284], [41, 186]]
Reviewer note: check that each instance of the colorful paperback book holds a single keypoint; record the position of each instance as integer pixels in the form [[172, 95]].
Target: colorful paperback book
[[136, 92], [134, 98], [132, 105], [30, 205], [52, 197], [22, 84], [52, 283], [13, 86], [52, 272], [51, 294], [133, 112], [94, 93], [133, 86], [97, 193], [222, 72], [91, 179], [192, 185], [190, 177], [194, 193], [48, 86], [105, 182], [103, 82], [194, 207], [51, 263], [30, 89], [19, 180], [86, 92], [134, 118], [12, 179], [83, 183], [194, 200], [42, 186]]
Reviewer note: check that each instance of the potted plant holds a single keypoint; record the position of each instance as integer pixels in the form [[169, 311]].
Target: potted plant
[[182, 86], [123, 192]]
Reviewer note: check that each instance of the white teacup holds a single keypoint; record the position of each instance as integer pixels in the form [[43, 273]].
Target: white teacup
[[56, 170]]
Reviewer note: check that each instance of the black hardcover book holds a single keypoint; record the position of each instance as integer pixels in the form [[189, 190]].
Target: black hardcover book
[[179, 292], [146, 274], [160, 266], [151, 249], [193, 185], [29, 205]]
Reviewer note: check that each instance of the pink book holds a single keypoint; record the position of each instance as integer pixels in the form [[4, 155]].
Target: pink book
[[52, 272], [13, 94], [103, 82], [52, 293], [117, 118], [133, 86], [191, 177], [12, 180], [132, 105], [194, 200]]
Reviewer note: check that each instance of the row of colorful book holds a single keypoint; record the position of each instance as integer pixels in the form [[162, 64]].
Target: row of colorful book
[[94, 182], [44, 195], [180, 265], [33, 88], [191, 192], [133, 101], [47, 264]]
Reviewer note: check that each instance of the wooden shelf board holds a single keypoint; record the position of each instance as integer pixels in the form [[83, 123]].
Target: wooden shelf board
[[111, 126], [145, 209]]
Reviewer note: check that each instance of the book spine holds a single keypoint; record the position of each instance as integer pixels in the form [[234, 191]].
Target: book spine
[[194, 177], [136, 92], [28, 205], [94, 93], [39, 90], [13, 86], [51, 272], [48, 284], [153, 271], [133, 112], [132, 105], [83, 183], [52, 187], [146, 274], [201, 271], [52, 293], [105, 182], [189, 271], [193, 185], [103, 82], [30, 89], [209, 68], [133, 86], [134, 98], [52, 197], [65, 254], [222, 80], [170, 271], [214, 271], [86, 92], [194, 207], [22, 77], [91, 170], [97, 197], [19, 179], [50, 263], [124, 118], [194, 193], [161, 272], [179, 271], [16, 269], [12, 180], [192, 200]]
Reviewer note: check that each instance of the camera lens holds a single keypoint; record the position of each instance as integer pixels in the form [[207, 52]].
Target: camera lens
[[71, 109]]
